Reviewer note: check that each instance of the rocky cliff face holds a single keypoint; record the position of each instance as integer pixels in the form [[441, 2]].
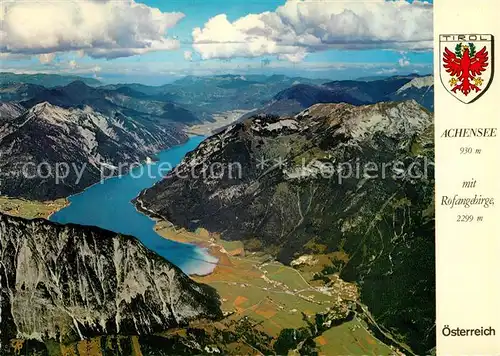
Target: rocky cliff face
[[80, 143], [9, 111], [69, 282], [353, 180]]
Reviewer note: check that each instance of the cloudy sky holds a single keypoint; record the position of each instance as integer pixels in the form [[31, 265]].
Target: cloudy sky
[[155, 41]]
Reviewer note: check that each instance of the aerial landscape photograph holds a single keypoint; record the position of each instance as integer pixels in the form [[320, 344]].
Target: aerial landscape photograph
[[217, 177]]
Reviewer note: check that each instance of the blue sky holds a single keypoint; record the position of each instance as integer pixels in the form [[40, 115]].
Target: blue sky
[[328, 60]]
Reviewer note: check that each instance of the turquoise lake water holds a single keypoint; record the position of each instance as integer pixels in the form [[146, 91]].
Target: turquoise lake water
[[108, 205]]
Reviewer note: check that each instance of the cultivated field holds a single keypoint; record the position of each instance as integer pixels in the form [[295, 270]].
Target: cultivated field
[[30, 209]]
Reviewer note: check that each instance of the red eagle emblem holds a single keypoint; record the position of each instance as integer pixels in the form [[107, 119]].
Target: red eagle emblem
[[465, 67]]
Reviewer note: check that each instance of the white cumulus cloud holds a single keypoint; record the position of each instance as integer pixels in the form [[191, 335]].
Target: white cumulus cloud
[[404, 61], [104, 28], [304, 26]]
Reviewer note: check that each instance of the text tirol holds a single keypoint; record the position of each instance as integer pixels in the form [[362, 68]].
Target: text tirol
[[464, 38]]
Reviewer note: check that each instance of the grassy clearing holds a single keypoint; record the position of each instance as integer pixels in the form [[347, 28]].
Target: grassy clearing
[[166, 230], [30, 209], [276, 296], [288, 276], [351, 338], [275, 309]]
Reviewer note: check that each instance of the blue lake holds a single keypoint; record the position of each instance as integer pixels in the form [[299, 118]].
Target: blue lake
[[108, 205]]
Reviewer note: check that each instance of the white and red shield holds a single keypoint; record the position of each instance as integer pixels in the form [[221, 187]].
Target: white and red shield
[[466, 65]]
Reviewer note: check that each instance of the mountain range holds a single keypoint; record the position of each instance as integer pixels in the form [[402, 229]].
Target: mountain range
[[337, 171], [35, 143], [78, 94], [205, 96], [110, 125], [299, 97], [296, 190], [46, 80], [91, 129]]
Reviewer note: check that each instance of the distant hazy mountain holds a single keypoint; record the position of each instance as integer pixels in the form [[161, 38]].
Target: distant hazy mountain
[[107, 101], [420, 89], [380, 77], [207, 95], [372, 78], [64, 283], [19, 91], [50, 134], [299, 97], [367, 92], [47, 80], [286, 198]]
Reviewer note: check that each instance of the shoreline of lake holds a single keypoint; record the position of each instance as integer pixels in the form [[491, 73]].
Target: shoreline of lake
[[109, 205]]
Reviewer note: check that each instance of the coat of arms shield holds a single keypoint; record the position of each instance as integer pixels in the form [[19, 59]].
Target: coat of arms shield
[[466, 65]]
